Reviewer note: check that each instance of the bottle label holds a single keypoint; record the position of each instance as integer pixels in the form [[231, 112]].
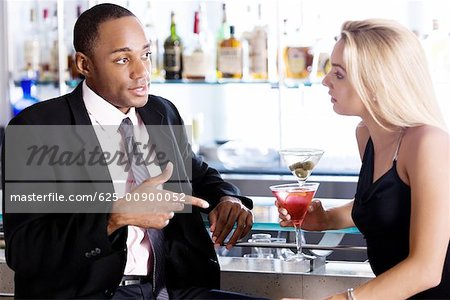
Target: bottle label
[[32, 54], [230, 60], [172, 59], [196, 64], [296, 59], [258, 52]]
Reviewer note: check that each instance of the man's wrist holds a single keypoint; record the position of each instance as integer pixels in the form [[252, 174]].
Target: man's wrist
[[113, 223], [115, 219], [229, 198]]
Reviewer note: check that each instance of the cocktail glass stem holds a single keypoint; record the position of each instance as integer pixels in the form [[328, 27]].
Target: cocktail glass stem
[[298, 239]]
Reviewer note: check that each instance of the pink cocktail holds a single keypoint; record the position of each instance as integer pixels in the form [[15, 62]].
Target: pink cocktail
[[295, 199]]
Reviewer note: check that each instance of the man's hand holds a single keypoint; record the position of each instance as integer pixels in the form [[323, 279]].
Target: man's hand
[[150, 207], [222, 218]]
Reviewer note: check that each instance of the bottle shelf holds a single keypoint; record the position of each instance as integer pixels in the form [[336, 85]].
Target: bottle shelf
[[273, 84], [55, 83]]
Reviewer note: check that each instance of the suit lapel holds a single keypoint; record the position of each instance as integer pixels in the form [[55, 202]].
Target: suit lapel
[[150, 115], [157, 128], [84, 131], [164, 137], [185, 226]]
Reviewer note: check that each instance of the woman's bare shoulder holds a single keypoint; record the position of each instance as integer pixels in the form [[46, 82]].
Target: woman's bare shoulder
[[426, 135], [423, 146], [426, 142]]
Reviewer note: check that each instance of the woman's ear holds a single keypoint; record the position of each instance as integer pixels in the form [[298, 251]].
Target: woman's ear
[[83, 64]]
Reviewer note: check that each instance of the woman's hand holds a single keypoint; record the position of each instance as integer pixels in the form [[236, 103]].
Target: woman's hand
[[316, 218]]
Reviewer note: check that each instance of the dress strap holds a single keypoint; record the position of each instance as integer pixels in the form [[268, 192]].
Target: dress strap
[[399, 142]]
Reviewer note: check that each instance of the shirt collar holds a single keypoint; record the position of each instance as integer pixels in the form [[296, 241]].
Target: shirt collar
[[104, 112]]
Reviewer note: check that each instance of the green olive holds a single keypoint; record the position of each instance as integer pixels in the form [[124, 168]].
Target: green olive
[[295, 166], [308, 165], [301, 173]]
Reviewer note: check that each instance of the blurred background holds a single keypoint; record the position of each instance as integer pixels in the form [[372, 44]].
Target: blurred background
[[244, 71]]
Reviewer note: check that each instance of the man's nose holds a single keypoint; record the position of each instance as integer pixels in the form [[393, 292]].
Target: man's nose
[[140, 69]]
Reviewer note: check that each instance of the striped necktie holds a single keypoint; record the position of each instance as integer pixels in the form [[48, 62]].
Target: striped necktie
[[140, 174], [135, 157]]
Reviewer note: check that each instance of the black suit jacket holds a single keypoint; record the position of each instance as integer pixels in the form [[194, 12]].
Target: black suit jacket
[[48, 252]]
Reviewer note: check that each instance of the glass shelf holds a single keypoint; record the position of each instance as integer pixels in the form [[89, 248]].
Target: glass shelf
[[55, 83], [273, 84]]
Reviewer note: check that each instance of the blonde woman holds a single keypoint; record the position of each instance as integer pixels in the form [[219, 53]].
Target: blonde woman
[[401, 206]]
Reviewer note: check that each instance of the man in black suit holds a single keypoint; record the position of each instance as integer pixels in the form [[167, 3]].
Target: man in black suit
[[80, 255]]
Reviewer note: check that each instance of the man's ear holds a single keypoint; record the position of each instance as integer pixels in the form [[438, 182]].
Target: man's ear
[[83, 64]]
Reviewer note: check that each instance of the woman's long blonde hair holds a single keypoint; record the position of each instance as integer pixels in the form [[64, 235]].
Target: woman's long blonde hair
[[387, 66]]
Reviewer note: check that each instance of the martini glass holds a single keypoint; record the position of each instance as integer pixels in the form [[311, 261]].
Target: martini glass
[[295, 199], [301, 161]]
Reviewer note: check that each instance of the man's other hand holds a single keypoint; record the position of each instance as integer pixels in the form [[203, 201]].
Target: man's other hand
[[222, 218], [149, 206]]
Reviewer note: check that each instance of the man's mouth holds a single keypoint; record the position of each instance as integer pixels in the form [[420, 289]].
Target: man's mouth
[[141, 90]]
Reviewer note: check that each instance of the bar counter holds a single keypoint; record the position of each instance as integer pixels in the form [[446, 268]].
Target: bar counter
[[263, 277], [273, 277]]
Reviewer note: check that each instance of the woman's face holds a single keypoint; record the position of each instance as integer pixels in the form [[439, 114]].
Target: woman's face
[[343, 96]]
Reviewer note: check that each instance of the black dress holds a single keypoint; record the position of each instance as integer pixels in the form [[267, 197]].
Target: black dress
[[382, 211]]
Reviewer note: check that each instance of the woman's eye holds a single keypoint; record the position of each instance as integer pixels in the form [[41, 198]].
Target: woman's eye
[[338, 75]]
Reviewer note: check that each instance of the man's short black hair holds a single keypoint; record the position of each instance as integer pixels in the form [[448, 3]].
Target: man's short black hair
[[85, 31]]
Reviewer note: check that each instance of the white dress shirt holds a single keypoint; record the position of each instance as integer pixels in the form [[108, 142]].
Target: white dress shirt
[[106, 120]]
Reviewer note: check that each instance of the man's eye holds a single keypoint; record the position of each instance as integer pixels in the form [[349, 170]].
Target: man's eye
[[122, 61], [147, 55]]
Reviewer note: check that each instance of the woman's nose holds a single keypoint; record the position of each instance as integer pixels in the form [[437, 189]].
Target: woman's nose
[[325, 81]]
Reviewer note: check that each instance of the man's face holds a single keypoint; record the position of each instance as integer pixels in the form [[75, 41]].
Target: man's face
[[120, 63]]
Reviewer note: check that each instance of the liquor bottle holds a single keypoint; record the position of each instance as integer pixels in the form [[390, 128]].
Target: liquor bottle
[[195, 58], [73, 74], [229, 63], [27, 99], [222, 34], [32, 48], [437, 49], [322, 49], [298, 56], [45, 73], [150, 31], [224, 30], [207, 41], [280, 68], [258, 65], [173, 48], [245, 40]]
